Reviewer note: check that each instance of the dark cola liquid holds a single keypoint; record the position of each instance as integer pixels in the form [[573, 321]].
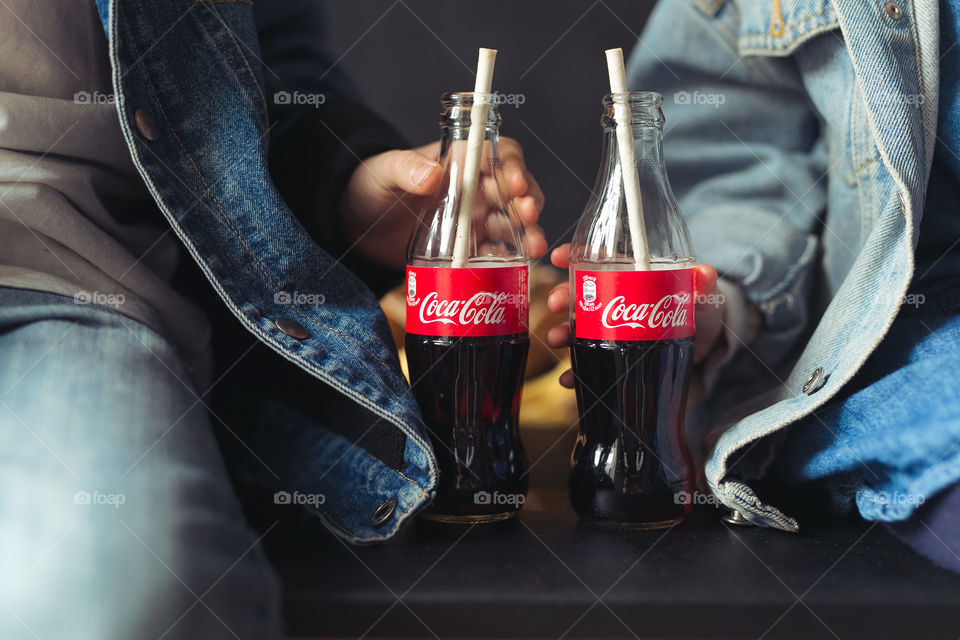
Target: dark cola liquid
[[469, 390], [630, 466]]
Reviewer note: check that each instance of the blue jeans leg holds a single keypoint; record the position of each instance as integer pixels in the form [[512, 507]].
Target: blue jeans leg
[[891, 442], [117, 518]]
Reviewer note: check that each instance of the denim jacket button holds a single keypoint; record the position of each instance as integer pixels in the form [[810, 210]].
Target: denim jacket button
[[147, 125], [893, 10], [735, 517], [292, 328], [814, 382], [382, 513]]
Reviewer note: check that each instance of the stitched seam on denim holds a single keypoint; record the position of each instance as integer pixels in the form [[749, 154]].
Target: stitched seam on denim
[[796, 24], [401, 474], [918, 50], [328, 519], [262, 104], [868, 183], [740, 492], [776, 18], [349, 535], [759, 43], [227, 57], [847, 149], [866, 164], [802, 262], [859, 132], [762, 48], [224, 215]]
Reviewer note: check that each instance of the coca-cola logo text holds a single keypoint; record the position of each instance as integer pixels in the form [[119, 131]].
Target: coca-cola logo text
[[483, 308], [669, 311], [467, 302], [634, 305]]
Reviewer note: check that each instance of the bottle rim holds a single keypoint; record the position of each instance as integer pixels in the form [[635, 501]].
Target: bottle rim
[[467, 98], [644, 108], [634, 98], [456, 107]]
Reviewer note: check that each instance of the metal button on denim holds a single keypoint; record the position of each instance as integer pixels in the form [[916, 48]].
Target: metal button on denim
[[893, 10], [735, 517], [147, 124], [382, 513], [292, 328], [814, 382]]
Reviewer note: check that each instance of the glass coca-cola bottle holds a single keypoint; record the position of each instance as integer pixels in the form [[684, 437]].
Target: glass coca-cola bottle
[[633, 335], [466, 329]]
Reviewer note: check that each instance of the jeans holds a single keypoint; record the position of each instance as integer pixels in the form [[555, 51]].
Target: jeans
[[891, 441], [117, 518]]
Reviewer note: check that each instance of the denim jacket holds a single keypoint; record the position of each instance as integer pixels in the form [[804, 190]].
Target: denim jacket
[[777, 112], [195, 84]]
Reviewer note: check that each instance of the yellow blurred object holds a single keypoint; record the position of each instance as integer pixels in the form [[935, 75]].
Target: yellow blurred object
[[544, 404]]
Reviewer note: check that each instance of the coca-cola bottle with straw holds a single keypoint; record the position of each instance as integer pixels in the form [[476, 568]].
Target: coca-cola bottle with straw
[[466, 325], [631, 279]]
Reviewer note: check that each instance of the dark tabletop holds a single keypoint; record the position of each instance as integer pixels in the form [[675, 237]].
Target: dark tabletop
[[544, 575]]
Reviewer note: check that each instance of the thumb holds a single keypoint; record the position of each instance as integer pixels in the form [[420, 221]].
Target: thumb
[[407, 171]]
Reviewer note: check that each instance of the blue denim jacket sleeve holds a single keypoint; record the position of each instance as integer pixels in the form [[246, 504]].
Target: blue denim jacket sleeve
[[193, 109], [745, 157]]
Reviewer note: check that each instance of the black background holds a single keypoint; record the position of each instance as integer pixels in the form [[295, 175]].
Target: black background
[[404, 54]]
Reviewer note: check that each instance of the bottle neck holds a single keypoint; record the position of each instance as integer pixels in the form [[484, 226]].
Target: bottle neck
[[647, 145], [454, 137], [456, 119], [469, 218], [608, 229]]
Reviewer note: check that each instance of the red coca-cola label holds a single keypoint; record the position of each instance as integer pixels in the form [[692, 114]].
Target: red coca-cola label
[[467, 302], [634, 305]]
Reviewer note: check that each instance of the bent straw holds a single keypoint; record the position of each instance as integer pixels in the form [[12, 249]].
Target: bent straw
[[471, 169], [628, 164]]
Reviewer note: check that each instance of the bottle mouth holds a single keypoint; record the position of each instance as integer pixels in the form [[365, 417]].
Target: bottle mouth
[[456, 108], [644, 108]]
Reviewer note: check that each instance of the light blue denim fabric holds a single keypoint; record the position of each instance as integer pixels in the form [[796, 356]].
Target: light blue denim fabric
[[799, 140], [892, 439], [117, 514]]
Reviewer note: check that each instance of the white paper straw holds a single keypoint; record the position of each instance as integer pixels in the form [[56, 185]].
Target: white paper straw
[[471, 168], [628, 163]]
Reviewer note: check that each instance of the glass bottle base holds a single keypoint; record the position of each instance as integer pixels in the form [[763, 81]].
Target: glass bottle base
[[484, 518], [634, 526]]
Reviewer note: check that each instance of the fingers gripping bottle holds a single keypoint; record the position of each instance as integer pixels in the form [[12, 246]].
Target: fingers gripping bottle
[[633, 337], [466, 328]]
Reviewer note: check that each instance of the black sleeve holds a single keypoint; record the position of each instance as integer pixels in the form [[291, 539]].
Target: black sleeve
[[316, 144], [311, 162]]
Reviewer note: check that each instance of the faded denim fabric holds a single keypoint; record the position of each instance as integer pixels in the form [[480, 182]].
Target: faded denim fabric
[[799, 139], [119, 514]]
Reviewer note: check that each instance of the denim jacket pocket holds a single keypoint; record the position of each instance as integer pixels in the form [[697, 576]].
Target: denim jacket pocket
[[778, 27]]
